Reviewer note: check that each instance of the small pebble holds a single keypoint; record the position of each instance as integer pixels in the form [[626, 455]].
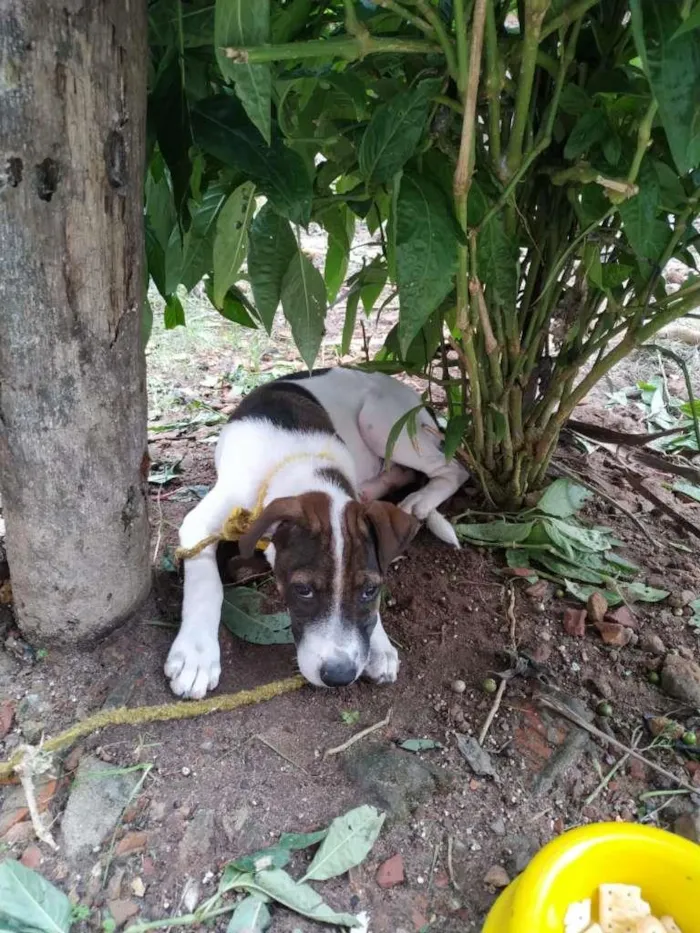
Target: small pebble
[[458, 686], [186, 771]]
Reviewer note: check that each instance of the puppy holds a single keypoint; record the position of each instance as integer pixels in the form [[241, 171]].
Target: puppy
[[308, 452]]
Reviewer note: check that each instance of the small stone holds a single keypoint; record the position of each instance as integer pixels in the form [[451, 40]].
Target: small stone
[[497, 877], [541, 653], [114, 887], [476, 757], [613, 634], [156, 811], [19, 834], [680, 679], [678, 612], [538, 591], [687, 597], [391, 872], [138, 888], [458, 686], [575, 622], [688, 826], [122, 910], [652, 644], [7, 714], [31, 857], [131, 843], [186, 771], [597, 606], [498, 827], [623, 616], [198, 838]]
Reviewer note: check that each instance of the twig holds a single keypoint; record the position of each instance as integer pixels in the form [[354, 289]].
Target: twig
[[596, 490], [637, 483], [34, 761], [187, 709], [295, 764], [360, 735], [510, 612], [450, 867], [137, 789], [566, 713], [603, 783]]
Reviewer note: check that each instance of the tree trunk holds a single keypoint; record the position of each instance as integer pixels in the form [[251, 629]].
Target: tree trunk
[[73, 449]]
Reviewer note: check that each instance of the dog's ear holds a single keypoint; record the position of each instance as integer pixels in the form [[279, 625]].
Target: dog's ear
[[393, 528], [288, 509]]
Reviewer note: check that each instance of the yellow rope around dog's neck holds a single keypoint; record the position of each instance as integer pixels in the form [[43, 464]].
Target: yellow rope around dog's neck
[[240, 519]]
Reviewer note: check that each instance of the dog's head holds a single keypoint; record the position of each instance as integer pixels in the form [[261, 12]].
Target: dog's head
[[329, 559]]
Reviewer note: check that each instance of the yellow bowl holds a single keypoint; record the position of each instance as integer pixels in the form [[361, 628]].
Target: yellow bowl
[[570, 868]]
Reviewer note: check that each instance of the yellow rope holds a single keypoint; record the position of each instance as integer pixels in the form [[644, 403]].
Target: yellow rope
[[240, 519], [136, 715]]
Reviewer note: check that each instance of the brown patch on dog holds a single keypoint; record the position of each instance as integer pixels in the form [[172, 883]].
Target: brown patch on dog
[[393, 528]]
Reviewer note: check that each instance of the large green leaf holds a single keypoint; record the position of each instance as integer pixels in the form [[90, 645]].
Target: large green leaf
[[250, 916], [647, 235], [426, 253], [500, 532], [590, 129], [296, 896], [222, 129], [231, 240], [29, 903], [350, 838], [671, 61], [271, 249], [394, 131], [339, 222], [241, 614], [497, 262], [198, 243], [563, 498], [241, 23], [173, 313], [304, 305]]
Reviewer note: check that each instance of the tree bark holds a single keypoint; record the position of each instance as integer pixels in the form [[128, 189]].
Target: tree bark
[[73, 447]]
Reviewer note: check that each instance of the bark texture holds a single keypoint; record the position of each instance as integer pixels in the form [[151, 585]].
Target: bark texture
[[73, 448]]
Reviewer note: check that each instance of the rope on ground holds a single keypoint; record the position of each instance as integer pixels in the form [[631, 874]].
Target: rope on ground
[[137, 715]]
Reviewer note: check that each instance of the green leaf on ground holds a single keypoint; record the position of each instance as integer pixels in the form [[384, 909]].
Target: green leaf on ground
[[275, 857], [250, 916], [241, 24], [350, 716], [296, 841], [29, 903], [350, 838], [499, 532], [691, 490], [419, 745], [241, 614], [563, 498], [639, 592], [297, 896]]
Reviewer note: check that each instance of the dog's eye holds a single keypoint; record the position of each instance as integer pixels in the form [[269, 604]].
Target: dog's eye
[[369, 592], [303, 590]]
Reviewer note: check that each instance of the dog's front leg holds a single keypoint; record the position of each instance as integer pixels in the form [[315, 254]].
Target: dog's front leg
[[193, 664], [383, 661]]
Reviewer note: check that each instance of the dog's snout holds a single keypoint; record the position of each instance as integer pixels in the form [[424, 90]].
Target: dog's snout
[[339, 672]]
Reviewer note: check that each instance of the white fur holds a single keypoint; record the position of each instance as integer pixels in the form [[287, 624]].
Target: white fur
[[363, 408]]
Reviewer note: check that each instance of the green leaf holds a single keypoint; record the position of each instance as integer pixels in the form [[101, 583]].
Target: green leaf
[[295, 841], [574, 100], [690, 24], [222, 130], [687, 489], [174, 313], [231, 240], [590, 129], [583, 592], [339, 222], [501, 533], [351, 305], [199, 239], [350, 838], [671, 60], [565, 569], [419, 745], [250, 916], [454, 433], [408, 421], [296, 896], [426, 253], [497, 261], [639, 592], [241, 614], [241, 24], [236, 307], [587, 538], [274, 857], [563, 498], [304, 305], [29, 903], [271, 248], [394, 132], [647, 235]]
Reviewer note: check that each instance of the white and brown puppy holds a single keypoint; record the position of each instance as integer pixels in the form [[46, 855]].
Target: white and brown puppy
[[315, 445]]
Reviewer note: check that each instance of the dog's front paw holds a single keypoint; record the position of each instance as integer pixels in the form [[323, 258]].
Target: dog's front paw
[[383, 663], [193, 666]]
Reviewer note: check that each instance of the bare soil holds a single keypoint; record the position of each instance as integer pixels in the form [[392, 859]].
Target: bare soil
[[262, 771]]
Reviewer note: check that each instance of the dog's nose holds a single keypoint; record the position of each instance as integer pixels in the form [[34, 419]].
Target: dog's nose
[[338, 673]]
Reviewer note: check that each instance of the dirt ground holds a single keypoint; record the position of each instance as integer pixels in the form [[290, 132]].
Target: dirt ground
[[228, 784]]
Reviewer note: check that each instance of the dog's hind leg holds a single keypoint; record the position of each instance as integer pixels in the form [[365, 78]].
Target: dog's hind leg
[[422, 453], [193, 664]]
